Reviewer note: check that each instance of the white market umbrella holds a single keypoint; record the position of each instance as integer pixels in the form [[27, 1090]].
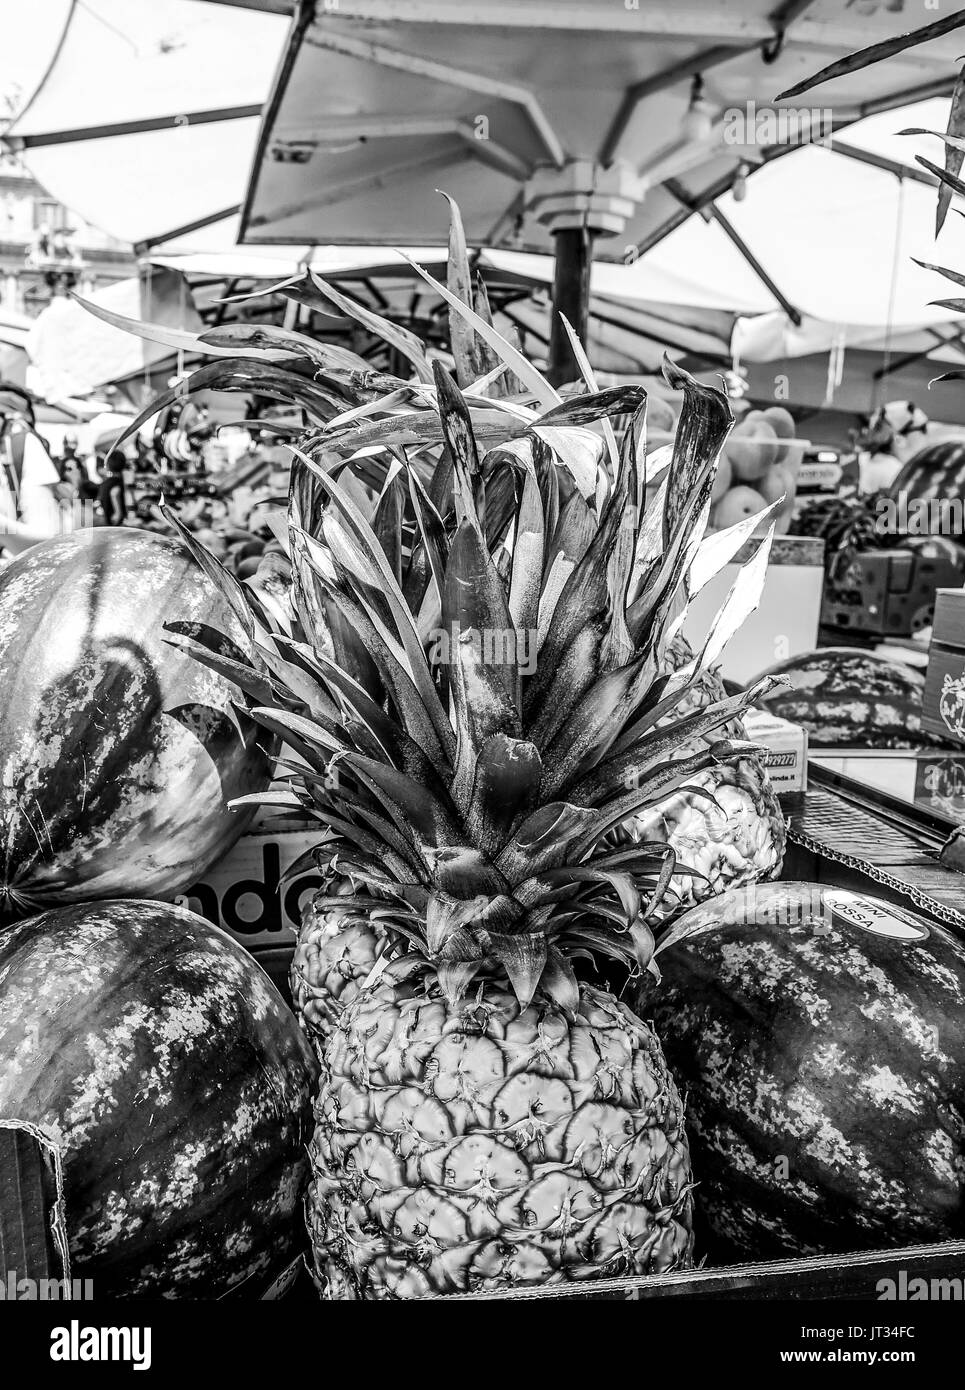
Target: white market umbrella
[[375, 103], [146, 120], [575, 127]]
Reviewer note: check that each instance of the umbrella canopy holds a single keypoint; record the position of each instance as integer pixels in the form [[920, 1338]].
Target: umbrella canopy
[[72, 352], [626, 337], [579, 126], [146, 120]]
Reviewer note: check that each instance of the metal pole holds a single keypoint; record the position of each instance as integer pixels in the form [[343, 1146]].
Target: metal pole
[[571, 296]]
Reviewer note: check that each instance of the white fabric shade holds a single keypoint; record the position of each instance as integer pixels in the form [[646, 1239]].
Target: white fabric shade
[[834, 236]]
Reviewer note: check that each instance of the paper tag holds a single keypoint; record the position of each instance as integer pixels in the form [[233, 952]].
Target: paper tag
[[874, 916]]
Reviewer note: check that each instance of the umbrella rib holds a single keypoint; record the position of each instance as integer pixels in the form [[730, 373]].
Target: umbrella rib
[[75, 136], [450, 76], [149, 243], [714, 212], [658, 82]]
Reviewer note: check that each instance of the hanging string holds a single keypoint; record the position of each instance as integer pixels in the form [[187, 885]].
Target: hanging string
[[879, 385], [182, 312], [150, 306], [835, 364]]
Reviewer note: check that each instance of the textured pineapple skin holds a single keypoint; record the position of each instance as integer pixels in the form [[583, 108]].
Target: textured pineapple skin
[[469, 1147], [744, 841], [334, 954]]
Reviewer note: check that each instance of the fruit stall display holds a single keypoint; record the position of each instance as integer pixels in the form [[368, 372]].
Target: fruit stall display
[[758, 468], [848, 697], [880, 579], [530, 794]]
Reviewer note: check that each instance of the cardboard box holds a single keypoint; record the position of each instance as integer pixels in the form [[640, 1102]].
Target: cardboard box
[[891, 592], [943, 703], [242, 895], [787, 749], [786, 621]]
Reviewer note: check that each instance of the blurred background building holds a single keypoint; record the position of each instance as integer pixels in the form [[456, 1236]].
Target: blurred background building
[[45, 249]]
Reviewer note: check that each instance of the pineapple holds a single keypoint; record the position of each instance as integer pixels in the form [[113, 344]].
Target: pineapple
[[475, 691], [731, 829], [335, 952], [486, 1117]]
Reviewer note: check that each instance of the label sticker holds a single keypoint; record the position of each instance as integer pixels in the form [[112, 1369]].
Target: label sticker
[[874, 916]]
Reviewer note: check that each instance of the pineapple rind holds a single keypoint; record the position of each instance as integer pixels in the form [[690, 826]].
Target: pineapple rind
[[334, 954], [468, 1147], [744, 840]]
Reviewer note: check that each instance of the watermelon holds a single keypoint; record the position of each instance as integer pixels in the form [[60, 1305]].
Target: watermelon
[[118, 752], [158, 1055], [848, 697], [937, 471], [819, 1037]]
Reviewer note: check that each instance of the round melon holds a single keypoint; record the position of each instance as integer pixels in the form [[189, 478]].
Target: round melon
[[847, 697], [819, 1037], [660, 414], [752, 446], [736, 504], [782, 423], [161, 1059], [723, 479], [935, 472], [776, 483], [119, 753]]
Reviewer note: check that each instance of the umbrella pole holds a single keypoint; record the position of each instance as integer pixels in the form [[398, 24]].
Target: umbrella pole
[[571, 297]]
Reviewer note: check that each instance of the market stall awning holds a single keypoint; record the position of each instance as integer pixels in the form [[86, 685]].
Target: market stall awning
[[626, 336], [527, 112], [549, 122], [147, 119], [582, 128], [72, 352]]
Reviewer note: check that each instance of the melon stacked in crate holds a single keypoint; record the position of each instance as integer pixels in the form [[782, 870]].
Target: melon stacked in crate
[[758, 466]]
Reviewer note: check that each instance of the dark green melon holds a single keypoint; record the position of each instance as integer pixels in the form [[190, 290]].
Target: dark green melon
[[119, 754], [823, 1066], [846, 697], [937, 471], [160, 1057]]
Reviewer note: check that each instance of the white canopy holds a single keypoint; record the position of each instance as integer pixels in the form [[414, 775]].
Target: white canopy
[[72, 352], [148, 117], [171, 93]]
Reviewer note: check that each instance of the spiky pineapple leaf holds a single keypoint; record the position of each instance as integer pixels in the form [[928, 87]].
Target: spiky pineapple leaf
[[741, 601], [511, 357], [505, 789], [876, 53], [392, 333], [282, 342], [227, 585], [717, 550], [704, 424], [462, 338], [242, 674], [416, 667], [482, 664]]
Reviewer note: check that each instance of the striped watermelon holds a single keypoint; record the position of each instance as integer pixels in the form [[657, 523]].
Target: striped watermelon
[[117, 753], [845, 697], [157, 1053], [937, 471], [824, 1068]]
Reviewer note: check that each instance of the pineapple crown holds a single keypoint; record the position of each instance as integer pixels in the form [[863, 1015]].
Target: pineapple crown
[[472, 672]]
